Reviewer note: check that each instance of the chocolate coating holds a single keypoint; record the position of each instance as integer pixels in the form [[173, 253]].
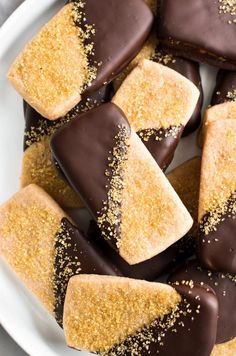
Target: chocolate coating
[[224, 287], [197, 30], [194, 331], [217, 250], [75, 254], [225, 87], [190, 70], [162, 150], [150, 269], [82, 149], [121, 28], [36, 125]]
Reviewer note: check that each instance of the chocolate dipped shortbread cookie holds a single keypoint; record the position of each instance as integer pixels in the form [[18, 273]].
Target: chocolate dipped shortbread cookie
[[225, 89], [121, 184], [158, 103], [78, 51], [202, 30], [44, 248], [116, 316], [188, 69], [224, 286], [37, 164], [217, 204]]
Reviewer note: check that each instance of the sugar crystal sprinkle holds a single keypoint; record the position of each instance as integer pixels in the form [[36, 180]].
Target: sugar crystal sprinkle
[[109, 216], [159, 134], [163, 58], [231, 95], [228, 7], [217, 215], [155, 332], [86, 34], [66, 265]]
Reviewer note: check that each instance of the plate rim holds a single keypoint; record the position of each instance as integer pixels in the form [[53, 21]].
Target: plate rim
[[7, 36]]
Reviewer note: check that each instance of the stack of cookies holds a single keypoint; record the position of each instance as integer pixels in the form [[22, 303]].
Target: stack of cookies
[[110, 87]]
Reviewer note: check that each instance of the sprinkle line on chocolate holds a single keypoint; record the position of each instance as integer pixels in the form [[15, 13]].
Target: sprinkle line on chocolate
[[109, 217]]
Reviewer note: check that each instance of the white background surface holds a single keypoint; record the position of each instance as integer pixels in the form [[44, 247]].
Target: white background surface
[[7, 346], [20, 314]]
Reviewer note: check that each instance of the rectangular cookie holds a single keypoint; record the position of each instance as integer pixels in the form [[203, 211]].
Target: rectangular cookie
[[136, 208], [217, 201], [80, 49], [158, 102], [44, 248], [116, 316]]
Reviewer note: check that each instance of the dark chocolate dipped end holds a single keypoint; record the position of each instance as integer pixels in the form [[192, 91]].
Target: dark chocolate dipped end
[[162, 144], [190, 328], [225, 89], [75, 255], [199, 30], [90, 151], [224, 286], [114, 43], [216, 240]]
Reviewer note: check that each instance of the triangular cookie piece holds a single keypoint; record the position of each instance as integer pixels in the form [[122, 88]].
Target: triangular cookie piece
[[117, 316]]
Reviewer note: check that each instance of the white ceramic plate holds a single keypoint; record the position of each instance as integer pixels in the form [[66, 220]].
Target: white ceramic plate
[[20, 314]]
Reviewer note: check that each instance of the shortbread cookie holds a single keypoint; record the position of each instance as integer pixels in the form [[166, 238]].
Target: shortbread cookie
[[158, 103], [225, 89], [120, 183], [224, 286], [217, 204], [44, 249], [151, 269], [120, 316], [226, 349], [188, 69], [79, 50], [202, 30], [37, 165], [185, 179]]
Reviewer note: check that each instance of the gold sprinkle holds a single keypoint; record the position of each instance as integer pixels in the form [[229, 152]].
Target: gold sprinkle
[[109, 216], [211, 220], [228, 7]]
